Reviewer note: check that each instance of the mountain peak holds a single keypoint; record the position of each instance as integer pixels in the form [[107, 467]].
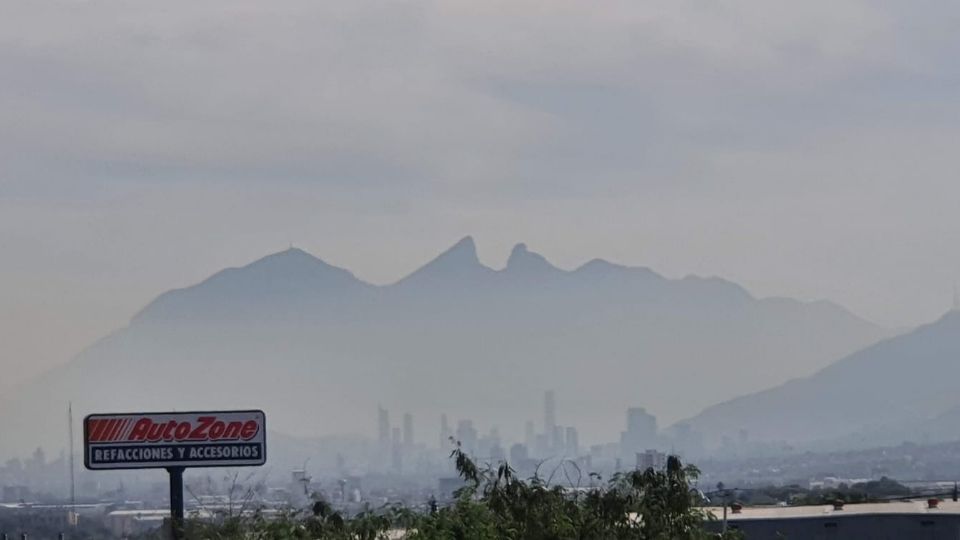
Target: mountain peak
[[457, 261], [465, 249], [519, 251], [289, 254], [599, 265], [274, 282], [463, 253], [290, 261], [603, 267], [522, 259]]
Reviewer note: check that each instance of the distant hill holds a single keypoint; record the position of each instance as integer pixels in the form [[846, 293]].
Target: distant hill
[[318, 348], [902, 388]]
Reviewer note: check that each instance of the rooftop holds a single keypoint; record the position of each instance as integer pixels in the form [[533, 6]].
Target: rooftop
[[918, 506]]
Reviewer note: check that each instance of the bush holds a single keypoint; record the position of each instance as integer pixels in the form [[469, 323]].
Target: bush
[[495, 504]]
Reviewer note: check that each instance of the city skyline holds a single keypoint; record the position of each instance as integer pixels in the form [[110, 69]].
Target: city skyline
[[554, 440]]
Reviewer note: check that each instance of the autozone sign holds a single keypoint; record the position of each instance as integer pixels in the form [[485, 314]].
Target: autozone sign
[[174, 439]]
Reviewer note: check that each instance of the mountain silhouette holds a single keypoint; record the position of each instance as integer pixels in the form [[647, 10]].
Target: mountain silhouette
[[902, 388], [290, 283], [458, 266], [318, 348], [525, 263]]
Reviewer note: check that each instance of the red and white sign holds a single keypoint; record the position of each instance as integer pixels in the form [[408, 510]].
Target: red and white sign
[[172, 439]]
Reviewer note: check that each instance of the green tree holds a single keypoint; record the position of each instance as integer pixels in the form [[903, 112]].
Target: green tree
[[495, 504]]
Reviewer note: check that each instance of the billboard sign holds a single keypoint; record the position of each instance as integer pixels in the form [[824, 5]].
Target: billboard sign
[[174, 439]]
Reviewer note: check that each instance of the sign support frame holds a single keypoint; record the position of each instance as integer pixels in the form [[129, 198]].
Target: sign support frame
[[176, 502], [175, 441]]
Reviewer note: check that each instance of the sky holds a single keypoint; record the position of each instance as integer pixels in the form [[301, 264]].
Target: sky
[[802, 149]]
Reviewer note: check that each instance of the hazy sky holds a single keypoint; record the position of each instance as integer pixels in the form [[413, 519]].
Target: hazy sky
[[804, 149]]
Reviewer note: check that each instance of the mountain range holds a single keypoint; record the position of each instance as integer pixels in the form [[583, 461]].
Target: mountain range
[[902, 388], [318, 348]]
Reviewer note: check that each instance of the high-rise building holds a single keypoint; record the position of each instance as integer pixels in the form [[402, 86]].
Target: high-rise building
[[408, 430], [445, 432], [489, 446], [467, 436], [556, 440], [496, 453], [529, 434], [541, 446], [572, 442], [641, 432], [396, 452], [549, 413], [384, 426], [518, 455], [639, 421]]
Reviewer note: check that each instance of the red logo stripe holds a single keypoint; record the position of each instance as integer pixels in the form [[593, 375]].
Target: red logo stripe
[[116, 431], [126, 432], [111, 425], [104, 428], [101, 428], [108, 436], [109, 429], [92, 426]]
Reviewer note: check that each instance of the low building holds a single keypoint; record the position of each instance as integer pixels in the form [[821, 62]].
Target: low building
[[128, 522], [651, 459], [933, 520]]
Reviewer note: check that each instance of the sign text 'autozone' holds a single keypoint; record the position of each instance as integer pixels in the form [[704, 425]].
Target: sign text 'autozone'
[[192, 439]]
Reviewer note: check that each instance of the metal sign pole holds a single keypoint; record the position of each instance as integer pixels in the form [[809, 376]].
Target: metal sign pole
[[176, 502]]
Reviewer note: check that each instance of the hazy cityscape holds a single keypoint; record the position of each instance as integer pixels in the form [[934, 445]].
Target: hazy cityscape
[[377, 422], [408, 463], [524, 270]]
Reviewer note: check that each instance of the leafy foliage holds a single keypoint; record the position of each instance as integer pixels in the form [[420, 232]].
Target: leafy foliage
[[495, 504], [49, 526]]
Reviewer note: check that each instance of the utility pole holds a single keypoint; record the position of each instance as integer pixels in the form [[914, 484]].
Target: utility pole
[[73, 484], [723, 500]]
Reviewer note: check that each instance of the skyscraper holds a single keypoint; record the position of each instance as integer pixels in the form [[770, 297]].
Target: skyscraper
[[396, 454], [467, 436], [530, 435], [641, 432], [639, 421], [556, 440], [549, 413], [445, 432], [572, 442], [384, 426], [408, 430], [518, 455]]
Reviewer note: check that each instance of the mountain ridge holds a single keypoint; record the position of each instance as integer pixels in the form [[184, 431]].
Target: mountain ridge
[[909, 386], [290, 333], [462, 255]]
